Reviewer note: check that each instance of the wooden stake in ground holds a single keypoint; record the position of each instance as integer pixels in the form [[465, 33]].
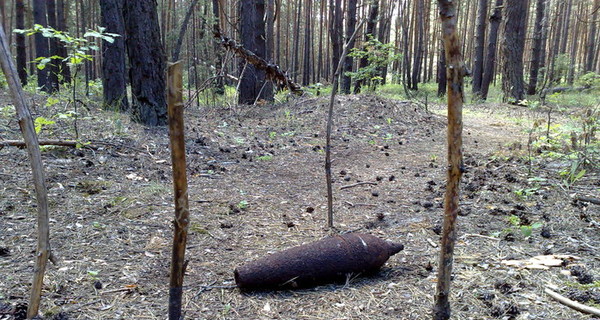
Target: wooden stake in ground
[[334, 90], [182, 211], [33, 149], [455, 71]]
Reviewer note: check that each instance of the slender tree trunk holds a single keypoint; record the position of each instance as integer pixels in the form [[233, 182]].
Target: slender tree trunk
[[513, 46], [307, 44], [370, 33], [349, 61], [20, 40], [219, 81], [455, 73], [182, 30], [591, 52], [441, 73], [335, 31], [418, 49], [42, 48], [296, 49], [147, 62], [114, 80], [574, 45], [479, 45], [536, 49], [53, 66], [488, 72], [61, 25]]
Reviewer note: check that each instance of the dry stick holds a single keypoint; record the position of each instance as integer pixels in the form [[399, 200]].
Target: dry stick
[[358, 184], [182, 212], [33, 148], [572, 304], [334, 89], [588, 199], [455, 71], [18, 143]]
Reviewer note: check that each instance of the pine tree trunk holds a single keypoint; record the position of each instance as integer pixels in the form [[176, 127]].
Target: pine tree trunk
[[147, 61], [253, 84], [513, 46], [479, 45], [336, 28], [591, 52], [370, 32], [348, 61], [490, 61], [418, 49], [220, 80], [42, 48], [307, 44], [61, 25], [20, 40], [536, 49], [114, 80]]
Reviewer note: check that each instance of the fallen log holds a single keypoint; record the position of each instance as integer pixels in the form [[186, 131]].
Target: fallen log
[[588, 199], [328, 260], [273, 72], [573, 304]]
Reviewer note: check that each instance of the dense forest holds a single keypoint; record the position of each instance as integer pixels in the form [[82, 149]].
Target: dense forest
[[464, 133], [528, 46]]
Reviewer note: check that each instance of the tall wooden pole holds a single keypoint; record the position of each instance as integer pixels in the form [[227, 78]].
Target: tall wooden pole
[[182, 211], [455, 71], [33, 149]]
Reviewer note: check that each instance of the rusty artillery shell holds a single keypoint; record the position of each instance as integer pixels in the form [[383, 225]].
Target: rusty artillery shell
[[327, 260]]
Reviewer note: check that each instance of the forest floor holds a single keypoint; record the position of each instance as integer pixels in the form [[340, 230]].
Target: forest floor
[[256, 186]]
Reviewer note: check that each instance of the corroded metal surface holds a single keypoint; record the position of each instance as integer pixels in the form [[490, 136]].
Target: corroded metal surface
[[327, 260]]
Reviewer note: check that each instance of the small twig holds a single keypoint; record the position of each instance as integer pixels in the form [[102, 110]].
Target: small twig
[[73, 308], [572, 304], [360, 204], [481, 236], [358, 184]]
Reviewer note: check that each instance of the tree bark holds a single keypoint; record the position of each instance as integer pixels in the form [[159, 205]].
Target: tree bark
[[20, 41], [307, 44], [61, 25], [180, 189], [42, 253], [479, 45], [147, 62], [253, 83], [42, 48], [114, 81], [53, 66], [348, 60], [536, 49], [490, 62], [513, 46], [418, 48], [455, 73], [336, 28], [591, 52], [370, 32]]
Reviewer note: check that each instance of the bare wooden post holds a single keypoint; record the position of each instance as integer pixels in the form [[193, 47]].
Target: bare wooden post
[[33, 149], [455, 71], [334, 90], [182, 212]]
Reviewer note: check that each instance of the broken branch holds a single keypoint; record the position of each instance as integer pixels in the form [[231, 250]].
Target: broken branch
[[274, 73], [572, 304]]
